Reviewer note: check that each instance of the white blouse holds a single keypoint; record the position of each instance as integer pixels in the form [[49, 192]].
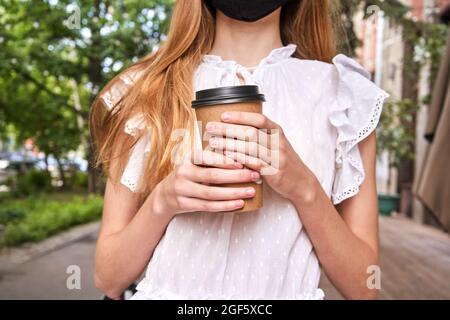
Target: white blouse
[[325, 110]]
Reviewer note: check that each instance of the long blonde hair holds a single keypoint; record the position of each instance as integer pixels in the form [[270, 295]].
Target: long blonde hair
[[164, 91]]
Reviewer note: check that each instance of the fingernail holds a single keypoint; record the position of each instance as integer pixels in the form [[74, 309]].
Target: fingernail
[[240, 203], [213, 142], [255, 176], [238, 165], [259, 181], [226, 116], [250, 191], [210, 127]]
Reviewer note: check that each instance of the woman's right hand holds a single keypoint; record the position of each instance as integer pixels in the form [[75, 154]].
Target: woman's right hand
[[190, 187]]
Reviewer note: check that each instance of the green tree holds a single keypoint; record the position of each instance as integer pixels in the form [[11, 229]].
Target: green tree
[[55, 56], [394, 10]]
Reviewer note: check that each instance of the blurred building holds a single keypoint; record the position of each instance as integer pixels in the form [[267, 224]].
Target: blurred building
[[382, 53]]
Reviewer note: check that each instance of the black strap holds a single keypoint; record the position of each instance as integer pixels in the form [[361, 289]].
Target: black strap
[[131, 289]]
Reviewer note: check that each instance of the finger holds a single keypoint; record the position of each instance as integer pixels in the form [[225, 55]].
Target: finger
[[256, 120], [214, 159], [245, 133], [193, 205], [187, 158], [221, 176], [250, 148], [250, 162], [200, 191]]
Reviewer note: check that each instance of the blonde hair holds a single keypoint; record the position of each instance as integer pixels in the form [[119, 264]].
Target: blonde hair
[[163, 92]]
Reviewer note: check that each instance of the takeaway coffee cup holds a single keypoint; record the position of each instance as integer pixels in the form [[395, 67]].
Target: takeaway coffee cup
[[211, 103]]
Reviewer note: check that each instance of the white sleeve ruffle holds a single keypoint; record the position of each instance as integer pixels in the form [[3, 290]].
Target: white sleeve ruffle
[[112, 97], [135, 166], [134, 169], [355, 116]]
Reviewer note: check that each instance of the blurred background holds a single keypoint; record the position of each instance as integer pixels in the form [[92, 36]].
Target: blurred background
[[56, 55]]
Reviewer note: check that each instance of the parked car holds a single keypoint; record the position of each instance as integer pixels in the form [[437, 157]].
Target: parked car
[[10, 169]]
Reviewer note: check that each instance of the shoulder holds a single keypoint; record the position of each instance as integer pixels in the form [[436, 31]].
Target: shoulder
[[340, 66], [343, 77], [307, 65], [316, 77]]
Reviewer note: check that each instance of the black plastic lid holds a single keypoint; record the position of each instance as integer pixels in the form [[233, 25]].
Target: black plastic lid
[[222, 95]]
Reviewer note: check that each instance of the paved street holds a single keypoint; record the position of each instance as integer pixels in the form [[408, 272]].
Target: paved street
[[45, 277], [415, 264]]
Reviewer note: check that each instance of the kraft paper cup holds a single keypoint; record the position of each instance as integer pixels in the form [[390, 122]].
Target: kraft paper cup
[[209, 106]]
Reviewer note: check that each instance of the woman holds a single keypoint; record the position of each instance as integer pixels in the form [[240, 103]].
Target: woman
[[320, 206]]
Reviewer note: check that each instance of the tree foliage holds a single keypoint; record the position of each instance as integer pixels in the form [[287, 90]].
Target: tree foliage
[[55, 55]]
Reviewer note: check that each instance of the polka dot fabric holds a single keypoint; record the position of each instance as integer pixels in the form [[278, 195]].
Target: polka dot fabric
[[325, 110]]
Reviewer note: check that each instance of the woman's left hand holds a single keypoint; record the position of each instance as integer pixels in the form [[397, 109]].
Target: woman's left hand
[[261, 145]]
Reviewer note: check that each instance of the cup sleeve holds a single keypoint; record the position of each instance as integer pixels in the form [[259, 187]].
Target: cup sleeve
[[355, 114]]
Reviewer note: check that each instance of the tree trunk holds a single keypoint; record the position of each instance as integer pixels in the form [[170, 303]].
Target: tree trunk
[[61, 172], [96, 78], [46, 162], [93, 172], [409, 91]]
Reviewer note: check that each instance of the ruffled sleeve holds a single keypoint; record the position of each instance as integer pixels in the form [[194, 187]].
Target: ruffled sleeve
[[355, 115], [134, 169], [135, 166]]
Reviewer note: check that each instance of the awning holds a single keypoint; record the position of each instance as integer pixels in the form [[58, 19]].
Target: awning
[[432, 184]]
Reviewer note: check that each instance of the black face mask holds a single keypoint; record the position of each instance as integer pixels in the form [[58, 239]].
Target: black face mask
[[246, 10]]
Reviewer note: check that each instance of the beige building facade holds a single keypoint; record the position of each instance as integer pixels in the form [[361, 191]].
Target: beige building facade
[[382, 54]]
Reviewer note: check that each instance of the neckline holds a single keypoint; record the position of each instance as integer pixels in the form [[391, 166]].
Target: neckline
[[276, 55]]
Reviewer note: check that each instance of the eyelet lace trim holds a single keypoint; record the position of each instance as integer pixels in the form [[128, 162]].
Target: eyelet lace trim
[[373, 120], [132, 174], [127, 182], [108, 100], [135, 124], [113, 96], [359, 175]]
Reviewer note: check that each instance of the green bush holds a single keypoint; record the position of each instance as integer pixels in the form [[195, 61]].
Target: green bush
[[79, 180], [8, 215], [32, 182], [76, 180], [46, 217]]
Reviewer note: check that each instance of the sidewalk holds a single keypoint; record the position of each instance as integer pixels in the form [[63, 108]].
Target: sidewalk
[[39, 271], [415, 264]]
